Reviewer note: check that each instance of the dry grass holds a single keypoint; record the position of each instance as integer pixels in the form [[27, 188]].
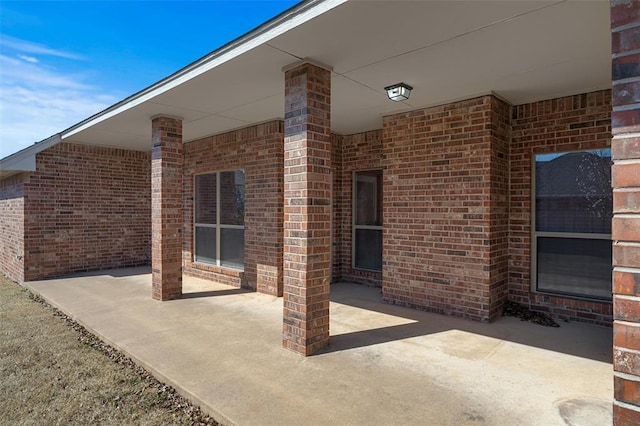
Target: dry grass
[[48, 376]]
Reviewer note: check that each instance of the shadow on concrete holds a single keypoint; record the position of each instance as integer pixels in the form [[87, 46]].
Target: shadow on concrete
[[582, 340], [115, 273], [382, 323], [146, 270]]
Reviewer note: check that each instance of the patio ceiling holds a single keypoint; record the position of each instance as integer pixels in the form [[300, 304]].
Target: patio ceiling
[[522, 51]]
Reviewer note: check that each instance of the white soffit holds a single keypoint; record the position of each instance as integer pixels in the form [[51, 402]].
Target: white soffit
[[361, 33], [245, 79], [551, 52], [232, 95], [356, 107], [524, 51]]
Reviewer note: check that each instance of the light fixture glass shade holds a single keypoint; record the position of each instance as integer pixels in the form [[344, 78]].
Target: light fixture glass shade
[[398, 92]]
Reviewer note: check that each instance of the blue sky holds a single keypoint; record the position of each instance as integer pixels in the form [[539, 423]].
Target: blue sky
[[62, 61]]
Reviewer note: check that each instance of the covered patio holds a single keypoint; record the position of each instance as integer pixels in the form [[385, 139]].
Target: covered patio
[[384, 365], [253, 166]]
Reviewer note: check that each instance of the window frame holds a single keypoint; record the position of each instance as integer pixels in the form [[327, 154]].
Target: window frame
[[217, 226], [354, 226], [569, 235]]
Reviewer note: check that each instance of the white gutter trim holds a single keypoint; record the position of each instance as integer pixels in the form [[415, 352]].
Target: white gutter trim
[[25, 160], [284, 22]]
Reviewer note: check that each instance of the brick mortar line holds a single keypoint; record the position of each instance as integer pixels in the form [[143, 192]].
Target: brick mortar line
[[626, 376], [627, 161], [625, 27], [626, 80], [626, 405], [627, 135], [627, 243], [627, 297], [625, 54], [628, 323], [626, 107], [632, 351], [626, 269]]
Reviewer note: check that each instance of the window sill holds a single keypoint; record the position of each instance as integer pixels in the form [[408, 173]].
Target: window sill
[[223, 270], [546, 293], [372, 271]]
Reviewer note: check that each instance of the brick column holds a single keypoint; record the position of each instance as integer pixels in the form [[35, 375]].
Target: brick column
[[625, 124], [166, 207], [307, 209]]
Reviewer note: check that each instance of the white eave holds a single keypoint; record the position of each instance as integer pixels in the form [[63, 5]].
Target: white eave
[[25, 159]]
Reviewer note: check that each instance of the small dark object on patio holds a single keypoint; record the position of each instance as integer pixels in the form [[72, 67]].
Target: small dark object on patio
[[513, 309]]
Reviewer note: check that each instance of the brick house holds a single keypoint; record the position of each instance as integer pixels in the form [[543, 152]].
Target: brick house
[[278, 163]]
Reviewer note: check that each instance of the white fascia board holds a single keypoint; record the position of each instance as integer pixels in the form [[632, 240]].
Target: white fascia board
[[290, 19], [25, 160]]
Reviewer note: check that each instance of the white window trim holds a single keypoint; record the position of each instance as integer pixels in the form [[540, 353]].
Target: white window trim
[[354, 226], [535, 234], [217, 225]]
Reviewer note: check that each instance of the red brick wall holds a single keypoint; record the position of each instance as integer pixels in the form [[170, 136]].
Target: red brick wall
[[444, 208], [307, 207], [259, 151], [556, 125], [338, 207], [167, 157], [86, 208], [498, 165], [625, 35], [12, 227], [358, 152]]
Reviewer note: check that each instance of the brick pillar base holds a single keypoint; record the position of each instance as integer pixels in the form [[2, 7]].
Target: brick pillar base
[[625, 124], [307, 209], [166, 208]]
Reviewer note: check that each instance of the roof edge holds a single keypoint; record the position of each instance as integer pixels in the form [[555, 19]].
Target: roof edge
[[285, 21], [25, 159]]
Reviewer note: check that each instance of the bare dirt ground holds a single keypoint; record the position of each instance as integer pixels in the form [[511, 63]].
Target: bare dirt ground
[[52, 371]]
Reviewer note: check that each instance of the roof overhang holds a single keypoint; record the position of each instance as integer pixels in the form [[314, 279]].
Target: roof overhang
[[25, 160], [522, 51]]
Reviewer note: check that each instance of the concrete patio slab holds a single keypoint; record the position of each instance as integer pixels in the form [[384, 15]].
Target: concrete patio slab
[[221, 347]]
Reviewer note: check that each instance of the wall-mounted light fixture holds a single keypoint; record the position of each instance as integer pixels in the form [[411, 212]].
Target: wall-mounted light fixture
[[398, 92]]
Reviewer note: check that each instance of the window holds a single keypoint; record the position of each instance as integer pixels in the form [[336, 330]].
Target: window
[[219, 219], [367, 220], [572, 224]]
